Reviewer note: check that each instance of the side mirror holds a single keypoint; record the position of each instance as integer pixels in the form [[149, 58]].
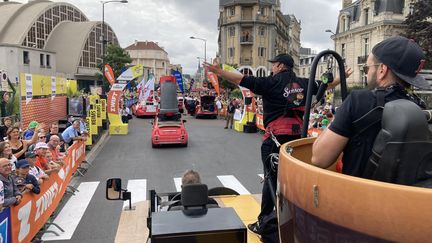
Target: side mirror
[[113, 189], [184, 121]]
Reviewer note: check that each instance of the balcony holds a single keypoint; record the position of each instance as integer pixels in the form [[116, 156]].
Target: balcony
[[246, 40], [361, 60], [246, 61]]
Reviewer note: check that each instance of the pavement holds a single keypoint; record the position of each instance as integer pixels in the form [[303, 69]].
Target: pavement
[[223, 157]]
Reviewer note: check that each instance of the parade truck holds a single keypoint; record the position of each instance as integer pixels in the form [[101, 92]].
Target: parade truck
[[206, 107], [168, 126], [146, 108]]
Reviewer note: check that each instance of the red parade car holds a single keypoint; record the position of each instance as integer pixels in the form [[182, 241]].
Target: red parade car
[[169, 129], [206, 108], [145, 108]]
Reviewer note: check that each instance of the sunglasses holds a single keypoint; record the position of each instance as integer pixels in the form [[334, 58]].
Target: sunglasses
[[42, 137], [366, 67]]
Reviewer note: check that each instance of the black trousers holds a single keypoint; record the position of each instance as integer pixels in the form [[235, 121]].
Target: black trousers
[[268, 147]]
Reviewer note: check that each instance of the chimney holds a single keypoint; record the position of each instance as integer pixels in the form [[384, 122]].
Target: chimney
[[346, 3], [136, 42]]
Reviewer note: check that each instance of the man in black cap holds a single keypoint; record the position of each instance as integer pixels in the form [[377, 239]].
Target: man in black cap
[[284, 96], [392, 69]]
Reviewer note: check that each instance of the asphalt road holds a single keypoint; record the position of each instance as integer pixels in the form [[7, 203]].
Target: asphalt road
[[212, 151]]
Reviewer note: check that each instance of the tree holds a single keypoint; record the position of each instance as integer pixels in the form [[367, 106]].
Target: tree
[[419, 27], [224, 84], [117, 58]]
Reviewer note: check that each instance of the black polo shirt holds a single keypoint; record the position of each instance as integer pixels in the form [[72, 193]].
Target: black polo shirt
[[280, 93], [359, 147]]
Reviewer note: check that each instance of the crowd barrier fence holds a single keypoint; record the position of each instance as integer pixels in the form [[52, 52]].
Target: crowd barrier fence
[[22, 222]]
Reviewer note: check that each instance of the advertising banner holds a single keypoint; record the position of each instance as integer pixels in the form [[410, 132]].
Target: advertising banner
[[89, 138], [179, 80], [99, 115], [109, 74], [131, 73], [5, 226], [35, 209], [29, 87], [53, 87], [103, 104], [214, 81], [93, 122]]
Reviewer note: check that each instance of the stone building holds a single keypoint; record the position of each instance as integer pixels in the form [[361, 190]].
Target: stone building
[[153, 57], [52, 39], [253, 31], [364, 23]]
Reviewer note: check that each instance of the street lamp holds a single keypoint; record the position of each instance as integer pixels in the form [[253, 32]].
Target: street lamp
[[205, 46], [103, 25], [330, 31]]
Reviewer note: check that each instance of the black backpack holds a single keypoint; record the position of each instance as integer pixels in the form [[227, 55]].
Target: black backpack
[[402, 150]]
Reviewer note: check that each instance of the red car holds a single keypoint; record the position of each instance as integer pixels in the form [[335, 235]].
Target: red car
[[145, 108], [207, 107], [169, 129]]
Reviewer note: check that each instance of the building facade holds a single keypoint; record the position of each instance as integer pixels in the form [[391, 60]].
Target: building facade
[[253, 31], [307, 57], [364, 23], [153, 58], [53, 39]]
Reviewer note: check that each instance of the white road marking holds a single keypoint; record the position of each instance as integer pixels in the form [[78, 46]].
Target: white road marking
[[72, 212], [177, 182], [138, 188], [231, 182]]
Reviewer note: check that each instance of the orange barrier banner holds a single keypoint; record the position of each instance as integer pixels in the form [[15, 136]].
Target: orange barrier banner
[[32, 213]]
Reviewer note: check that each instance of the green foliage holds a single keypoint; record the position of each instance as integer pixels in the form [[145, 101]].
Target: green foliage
[[117, 58], [419, 27], [224, 84], [70, 93], [236, 93]]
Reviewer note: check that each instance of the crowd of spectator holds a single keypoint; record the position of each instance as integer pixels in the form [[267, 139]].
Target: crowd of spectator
[[321, 117], [28, 157]]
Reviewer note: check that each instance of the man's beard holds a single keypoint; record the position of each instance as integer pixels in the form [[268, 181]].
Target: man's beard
[[372, 82]]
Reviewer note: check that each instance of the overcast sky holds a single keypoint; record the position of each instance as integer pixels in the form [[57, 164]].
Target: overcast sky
[[172, 22]]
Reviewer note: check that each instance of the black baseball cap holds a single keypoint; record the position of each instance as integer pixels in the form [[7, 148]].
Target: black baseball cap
[[283, 58], [404, 57]]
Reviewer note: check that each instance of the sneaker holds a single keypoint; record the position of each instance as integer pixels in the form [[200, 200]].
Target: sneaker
[[255, 228]]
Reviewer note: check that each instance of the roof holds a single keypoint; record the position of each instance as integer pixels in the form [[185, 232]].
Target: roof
[[16, 19], [68, 40], [144, 45], [236, 2]]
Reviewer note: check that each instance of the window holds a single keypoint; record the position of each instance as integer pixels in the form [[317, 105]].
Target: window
[[366, 17], [232, 11], [263, 11], [42, 59], [231, 31], [48, 61], [343, 50], [26, 57], [366, 46], [231, 52], [262, 31], [261, 52]]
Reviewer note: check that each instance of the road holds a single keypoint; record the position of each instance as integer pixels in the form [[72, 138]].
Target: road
[[212, 151]]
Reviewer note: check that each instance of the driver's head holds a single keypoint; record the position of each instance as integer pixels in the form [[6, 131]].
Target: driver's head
[[191, 177], [281, 63]]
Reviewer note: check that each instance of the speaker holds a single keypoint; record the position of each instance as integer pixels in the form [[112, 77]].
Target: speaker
[[168, 97], [248, 100], [249, 128]]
